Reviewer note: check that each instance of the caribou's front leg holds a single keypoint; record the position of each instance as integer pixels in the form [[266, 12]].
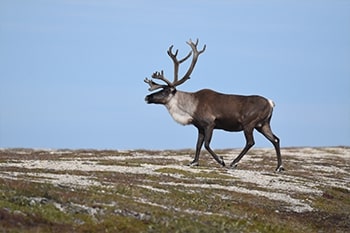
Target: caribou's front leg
[[199, 145], [249, 144], [207, 138]]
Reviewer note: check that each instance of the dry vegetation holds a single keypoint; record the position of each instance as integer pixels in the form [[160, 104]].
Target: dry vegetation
[[154, 191]]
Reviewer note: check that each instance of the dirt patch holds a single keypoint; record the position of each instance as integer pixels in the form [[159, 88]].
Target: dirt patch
[[143, 189]]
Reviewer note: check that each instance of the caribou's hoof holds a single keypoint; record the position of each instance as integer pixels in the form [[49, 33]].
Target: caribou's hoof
[[222, 161], [280, 169], [233, 166], [193, 164]]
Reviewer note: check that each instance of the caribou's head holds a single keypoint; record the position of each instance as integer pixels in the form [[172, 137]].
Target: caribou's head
[[161, 97], [169, 89]]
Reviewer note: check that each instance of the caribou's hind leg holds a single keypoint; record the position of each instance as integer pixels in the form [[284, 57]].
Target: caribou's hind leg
[[267, 132]]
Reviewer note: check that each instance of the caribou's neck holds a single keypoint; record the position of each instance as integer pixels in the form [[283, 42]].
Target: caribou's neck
[[182, 107]]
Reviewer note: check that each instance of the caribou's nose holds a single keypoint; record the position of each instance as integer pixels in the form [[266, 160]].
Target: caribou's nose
[[147, 98]]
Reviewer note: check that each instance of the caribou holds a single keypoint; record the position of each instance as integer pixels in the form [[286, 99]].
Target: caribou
[[208, 110]]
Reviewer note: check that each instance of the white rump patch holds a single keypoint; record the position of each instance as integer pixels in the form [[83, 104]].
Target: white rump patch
[[272, 103]]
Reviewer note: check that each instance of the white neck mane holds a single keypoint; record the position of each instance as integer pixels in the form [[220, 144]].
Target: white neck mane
[[182, 107]]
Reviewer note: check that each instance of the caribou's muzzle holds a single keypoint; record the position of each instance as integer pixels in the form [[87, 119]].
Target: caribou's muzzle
[[147, 99]]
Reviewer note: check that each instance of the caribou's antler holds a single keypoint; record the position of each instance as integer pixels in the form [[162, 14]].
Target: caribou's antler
[[153, 85], [195, 56], [173, 56], [177, 62]]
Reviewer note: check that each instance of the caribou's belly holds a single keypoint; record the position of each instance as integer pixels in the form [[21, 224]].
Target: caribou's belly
[[228, 125]]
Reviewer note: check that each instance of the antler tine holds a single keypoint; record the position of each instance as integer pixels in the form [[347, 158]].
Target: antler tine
[[153, 85], [160, 76], [196, 42], [194, 46], [185, 58], [170, 52]]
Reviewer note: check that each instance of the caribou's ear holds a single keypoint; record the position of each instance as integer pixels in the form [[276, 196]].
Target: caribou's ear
[[173, 90]]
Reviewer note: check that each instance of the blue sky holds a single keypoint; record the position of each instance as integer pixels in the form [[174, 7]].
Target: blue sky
[[71, 71]]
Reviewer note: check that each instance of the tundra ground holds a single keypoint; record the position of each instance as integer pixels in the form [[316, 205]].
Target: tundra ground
[[154, 191]]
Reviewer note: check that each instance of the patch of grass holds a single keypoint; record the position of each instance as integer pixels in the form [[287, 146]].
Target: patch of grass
[[334, 200], [195, 175], [129, 163], [175, 171], [21, 210]]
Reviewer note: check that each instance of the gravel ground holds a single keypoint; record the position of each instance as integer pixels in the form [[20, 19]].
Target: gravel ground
[[277, 186], [309, 171]]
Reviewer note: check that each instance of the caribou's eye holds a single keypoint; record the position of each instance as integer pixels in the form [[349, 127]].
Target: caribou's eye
[[167, 91]]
